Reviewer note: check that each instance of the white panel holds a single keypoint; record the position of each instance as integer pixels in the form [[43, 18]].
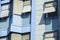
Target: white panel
[[18, 6], [27, 2], [26, 8], [50, 9], [16, 37], [4, 13], [49, 35], [3, 33], [5, 7], [26, 37], [50, 39]]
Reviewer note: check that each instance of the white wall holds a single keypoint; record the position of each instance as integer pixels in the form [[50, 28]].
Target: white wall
[[40, 22]]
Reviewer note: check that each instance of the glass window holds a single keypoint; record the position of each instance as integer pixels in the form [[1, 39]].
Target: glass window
[[26, 18], [51, 15]]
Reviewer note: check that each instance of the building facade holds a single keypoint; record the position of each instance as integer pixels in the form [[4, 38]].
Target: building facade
[[29, 20]]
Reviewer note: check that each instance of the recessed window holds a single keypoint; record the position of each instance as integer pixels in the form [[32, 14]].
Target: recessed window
[[26, 18], [51, 15]]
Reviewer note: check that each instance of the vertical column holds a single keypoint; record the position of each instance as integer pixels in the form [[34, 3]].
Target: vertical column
[[33, 20], [40, 22]]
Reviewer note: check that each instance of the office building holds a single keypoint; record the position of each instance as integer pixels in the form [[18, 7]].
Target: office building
[[29, 20]]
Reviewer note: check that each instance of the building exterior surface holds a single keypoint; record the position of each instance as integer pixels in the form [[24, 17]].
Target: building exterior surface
[[29, 19]]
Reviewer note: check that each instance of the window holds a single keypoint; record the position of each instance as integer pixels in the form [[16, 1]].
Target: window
[[51, 15], [26, 18], [50, 36], [50, 7]]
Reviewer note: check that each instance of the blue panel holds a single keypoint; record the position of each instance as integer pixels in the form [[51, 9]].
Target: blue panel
[[33, 20], [48, 26], [55, 24], [4, 24], [51, 25], [26, 19]]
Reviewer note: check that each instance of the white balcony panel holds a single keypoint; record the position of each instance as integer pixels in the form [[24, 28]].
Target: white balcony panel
[[5, 1], [50, 39], [48, 0], [3, 33], [50, 9], [15, 28], [26, 29], [5, 7], [4, 13], [27, 9]]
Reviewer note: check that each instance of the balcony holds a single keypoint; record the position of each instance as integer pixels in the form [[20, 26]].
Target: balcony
[[19, 29]]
